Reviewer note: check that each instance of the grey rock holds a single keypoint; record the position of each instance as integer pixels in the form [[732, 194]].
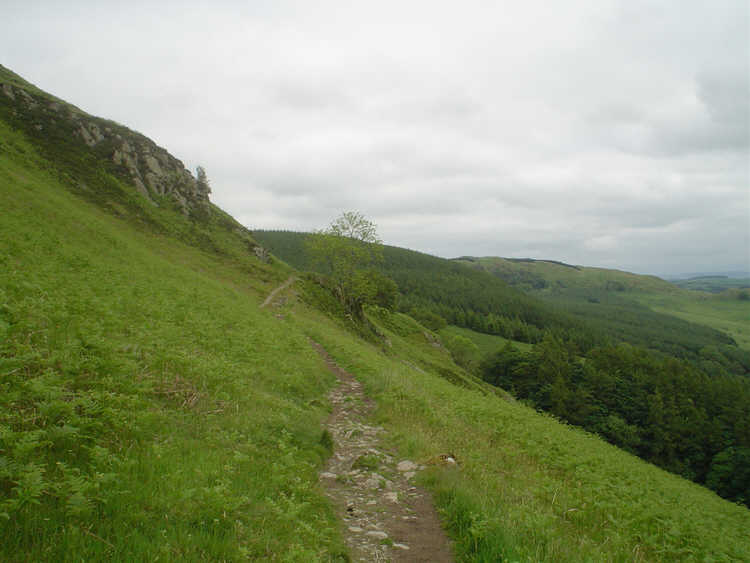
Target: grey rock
[[400, 546], [8, 90], [406, 465]]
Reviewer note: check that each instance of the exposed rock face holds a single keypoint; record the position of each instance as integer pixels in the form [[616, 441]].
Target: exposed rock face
[[153, 171]]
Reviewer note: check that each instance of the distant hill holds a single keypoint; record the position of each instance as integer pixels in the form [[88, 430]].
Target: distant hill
[[550, 275], [713, 284], [731, 274], [459, 294], [637, 308]]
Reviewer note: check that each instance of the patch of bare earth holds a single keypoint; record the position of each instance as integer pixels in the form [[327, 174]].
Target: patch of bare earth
[[386, 516], [271, 296]]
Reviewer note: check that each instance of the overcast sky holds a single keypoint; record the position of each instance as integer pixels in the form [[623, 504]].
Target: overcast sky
[[602, 133]]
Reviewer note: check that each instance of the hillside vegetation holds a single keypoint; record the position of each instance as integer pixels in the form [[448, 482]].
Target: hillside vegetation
[[713, 284], [642, 310], [439, 291], [151, 410], [529, 274], [672, 391]]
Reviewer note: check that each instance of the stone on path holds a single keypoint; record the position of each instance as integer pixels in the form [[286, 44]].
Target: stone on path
[[393, 497], [400, 546], [406, 465]]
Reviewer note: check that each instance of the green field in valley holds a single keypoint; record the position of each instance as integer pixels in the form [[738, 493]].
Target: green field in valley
[[729, 315]]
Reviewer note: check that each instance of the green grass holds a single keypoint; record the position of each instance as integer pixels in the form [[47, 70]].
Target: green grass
[[731, 316], [530, 488], [713, 284], [486, 343], [720, 312], [149, 410], [549, 275]]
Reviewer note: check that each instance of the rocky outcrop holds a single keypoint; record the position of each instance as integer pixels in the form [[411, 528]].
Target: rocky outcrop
[[151, 169]]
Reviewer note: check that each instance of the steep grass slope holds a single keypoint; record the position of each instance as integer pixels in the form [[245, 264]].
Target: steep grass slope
[[529, 488], [148, 408]]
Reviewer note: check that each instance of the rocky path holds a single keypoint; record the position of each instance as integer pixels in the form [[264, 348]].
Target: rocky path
[[386, 517]]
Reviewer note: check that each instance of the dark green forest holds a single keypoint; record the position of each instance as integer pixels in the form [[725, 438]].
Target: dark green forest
[[661, 409], [625, 320]]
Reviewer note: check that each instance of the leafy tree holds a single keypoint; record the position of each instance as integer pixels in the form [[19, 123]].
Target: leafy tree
[[730, 474], [463, 350], [386, 290], [202, 180], [431, 320], [354, 225], [346, 252]]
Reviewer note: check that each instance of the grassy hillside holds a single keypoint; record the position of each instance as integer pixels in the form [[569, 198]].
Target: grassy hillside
[[713, 284], [531, 489], [544, 274], [458, 294], [642, 310], [727, 311], [486, 343], [145, 398], [151, 410]]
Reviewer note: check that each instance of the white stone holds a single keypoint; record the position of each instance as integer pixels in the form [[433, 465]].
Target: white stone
[[328, 475], [356, 529], [409, 474], [375, 481], [393, 497], [406, 465], [400, 546], [377, 534]]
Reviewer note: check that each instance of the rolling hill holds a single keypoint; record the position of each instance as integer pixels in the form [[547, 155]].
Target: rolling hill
[[643, 310], [530, 274]]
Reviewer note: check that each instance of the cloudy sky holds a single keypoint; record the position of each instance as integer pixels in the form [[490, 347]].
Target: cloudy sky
[[603, 133]]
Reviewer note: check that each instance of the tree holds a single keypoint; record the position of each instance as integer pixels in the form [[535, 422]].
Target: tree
[[346, 252], [463, 350], [354, 225], [202, 180]]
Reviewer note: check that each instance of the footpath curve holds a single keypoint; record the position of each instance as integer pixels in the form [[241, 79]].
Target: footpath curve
[[386, 516]]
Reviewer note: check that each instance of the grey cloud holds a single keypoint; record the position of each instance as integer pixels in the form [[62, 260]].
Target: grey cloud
[[602, 133]]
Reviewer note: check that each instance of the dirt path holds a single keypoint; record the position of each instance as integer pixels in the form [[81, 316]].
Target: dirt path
[[273, 294], [386, 517]]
